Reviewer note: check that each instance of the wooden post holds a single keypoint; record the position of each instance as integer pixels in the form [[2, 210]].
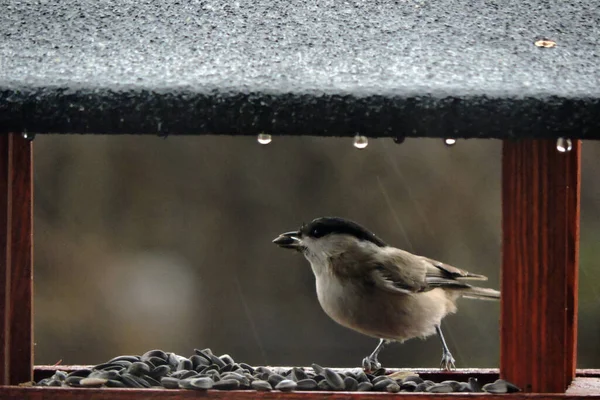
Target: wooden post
[[540, 223], [16, 259]]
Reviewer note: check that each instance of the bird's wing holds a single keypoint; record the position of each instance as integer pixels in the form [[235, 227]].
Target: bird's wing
[[439, 269], [400, 272], [404, 273]]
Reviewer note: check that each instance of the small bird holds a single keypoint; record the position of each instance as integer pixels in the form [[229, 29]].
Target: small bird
[[379, 290]]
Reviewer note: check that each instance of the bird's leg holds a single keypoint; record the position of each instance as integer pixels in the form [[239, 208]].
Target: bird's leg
[[447, 359], [370, 363]]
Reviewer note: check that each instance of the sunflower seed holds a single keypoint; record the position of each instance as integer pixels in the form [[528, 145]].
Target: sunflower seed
[[226, 384], [244, 381], [475, 385], [247, 368], [227, 359], [421, 387], [393, 388], [154, 353], [350, 384], [298, 374], [409, 386], [111, 367], [202, 383], [381, 385], [465, 387], [185, 384], [274, 379], [172, 360], [512, 388], [361, 377], [212, 374], [365, 387], [124, 358], [160, 371], [286, 385], [217, 361], [454, 384], [73, 380], [92, 382], [333, 379], [206, 351], [261, 386], [413, 378], [440, 388], [114, 384], [156, 361], [84, 372], [323, 385], [133, 381], [263, 370], [59, 376], [138, 368], [306, 384], [317, 368], [379, 372], [110, 374], [185, 365], [151, 380], [198, 361], [500, 386], [169, 383], [378, 379], [398, 376]]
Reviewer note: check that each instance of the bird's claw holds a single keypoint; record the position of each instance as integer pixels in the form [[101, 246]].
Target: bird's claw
[[447, 362], [370, 364]]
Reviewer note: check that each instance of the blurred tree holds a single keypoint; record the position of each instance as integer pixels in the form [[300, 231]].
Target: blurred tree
[[142, 243]]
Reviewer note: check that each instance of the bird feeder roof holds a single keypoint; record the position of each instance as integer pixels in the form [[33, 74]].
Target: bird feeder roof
[[420, 68]]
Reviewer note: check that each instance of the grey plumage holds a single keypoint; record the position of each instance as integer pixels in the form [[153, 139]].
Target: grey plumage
[[378, 290]]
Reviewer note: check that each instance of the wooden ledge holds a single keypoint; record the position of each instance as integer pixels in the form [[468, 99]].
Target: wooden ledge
[[588, 388], [586, 385]]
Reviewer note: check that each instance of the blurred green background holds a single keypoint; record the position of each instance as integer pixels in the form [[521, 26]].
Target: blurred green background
[[142, 243]]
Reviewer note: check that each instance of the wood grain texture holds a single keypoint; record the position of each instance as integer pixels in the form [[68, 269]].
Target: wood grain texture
[[540, 223], [21, 260], [4, 262], [16, 232], [11, 393]]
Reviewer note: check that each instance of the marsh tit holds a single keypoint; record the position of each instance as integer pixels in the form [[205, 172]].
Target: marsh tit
[[379, 290]]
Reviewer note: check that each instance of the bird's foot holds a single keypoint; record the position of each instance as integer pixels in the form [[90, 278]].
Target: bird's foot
[[370, 363], [447, 361]]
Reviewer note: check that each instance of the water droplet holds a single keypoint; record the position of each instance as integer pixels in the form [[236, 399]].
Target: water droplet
[[360, 142], [449, 142], [564, 145], [28, 135], [264, 138], [399, 139]]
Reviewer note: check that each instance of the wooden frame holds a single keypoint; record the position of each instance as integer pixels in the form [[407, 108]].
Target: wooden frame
[[540, 222]]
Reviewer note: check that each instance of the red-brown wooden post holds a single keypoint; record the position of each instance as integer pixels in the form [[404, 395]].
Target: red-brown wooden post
[[16, 259], [540, 223]]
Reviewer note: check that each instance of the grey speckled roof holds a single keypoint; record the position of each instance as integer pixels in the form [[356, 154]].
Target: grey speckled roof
[[460, 68]]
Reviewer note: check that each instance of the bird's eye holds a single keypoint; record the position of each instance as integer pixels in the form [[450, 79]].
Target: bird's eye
[[315, 233]]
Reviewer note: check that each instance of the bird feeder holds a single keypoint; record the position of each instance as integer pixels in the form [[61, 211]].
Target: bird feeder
[[522, 72]]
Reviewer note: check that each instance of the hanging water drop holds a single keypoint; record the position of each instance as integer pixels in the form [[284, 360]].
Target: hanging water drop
[[264, 138], [564, 145], [449, 142], [399, 139], [360, 142], [28, 135]]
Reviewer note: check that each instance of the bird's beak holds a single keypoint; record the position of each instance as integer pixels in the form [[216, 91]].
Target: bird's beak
[[288, 240]]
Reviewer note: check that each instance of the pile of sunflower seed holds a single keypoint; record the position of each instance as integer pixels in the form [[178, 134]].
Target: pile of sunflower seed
[[204, 370]]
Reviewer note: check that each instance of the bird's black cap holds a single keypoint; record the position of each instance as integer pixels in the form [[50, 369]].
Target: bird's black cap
[[323, 226]]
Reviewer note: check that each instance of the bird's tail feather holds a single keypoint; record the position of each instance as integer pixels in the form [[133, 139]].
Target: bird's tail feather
[[481, 293]]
